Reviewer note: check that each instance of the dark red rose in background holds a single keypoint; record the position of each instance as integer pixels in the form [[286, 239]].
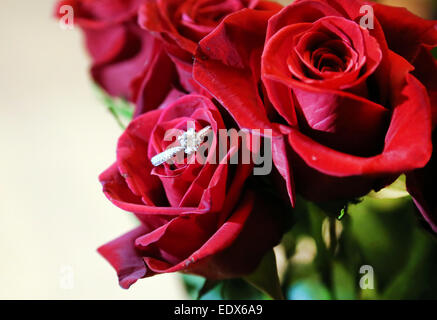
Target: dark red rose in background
[[413, 38], [197, 218], [421, 186], [181, 24], [355, 115], [127, 62]]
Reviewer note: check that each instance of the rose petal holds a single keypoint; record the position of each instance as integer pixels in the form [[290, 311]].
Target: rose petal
[[407, 35], [133, 162], [226, 254], [420, 184], [407, 145], [115, 75], [224, 72], [128, 262]]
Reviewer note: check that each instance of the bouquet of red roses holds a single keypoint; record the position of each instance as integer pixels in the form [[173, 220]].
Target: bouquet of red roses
[[245, 117]]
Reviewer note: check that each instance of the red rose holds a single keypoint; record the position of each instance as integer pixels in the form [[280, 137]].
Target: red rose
[[355, 115], [181, 24], [128, 62], [197, 218]]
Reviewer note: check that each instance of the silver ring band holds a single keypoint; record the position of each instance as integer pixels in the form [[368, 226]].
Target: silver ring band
[[163, 157]]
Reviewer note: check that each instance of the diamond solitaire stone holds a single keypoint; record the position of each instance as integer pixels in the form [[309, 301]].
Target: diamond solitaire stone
[[189, 141]]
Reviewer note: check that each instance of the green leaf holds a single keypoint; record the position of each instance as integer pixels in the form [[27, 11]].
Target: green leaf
[[343, 282], [382, 232], [200, 288], [207, 287], [119, 108], [239, 289], [395, 191], [265, 277], [416, 279], [192, 284]]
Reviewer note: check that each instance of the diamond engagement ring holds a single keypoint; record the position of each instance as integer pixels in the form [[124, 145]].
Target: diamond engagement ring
[[189, 141]]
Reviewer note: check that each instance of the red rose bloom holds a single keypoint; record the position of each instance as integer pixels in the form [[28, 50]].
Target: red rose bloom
[[181, 24], [126, 59], [355, 114], [197, 218]]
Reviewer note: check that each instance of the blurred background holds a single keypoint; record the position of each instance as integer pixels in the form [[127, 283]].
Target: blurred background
[[56, 137]]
